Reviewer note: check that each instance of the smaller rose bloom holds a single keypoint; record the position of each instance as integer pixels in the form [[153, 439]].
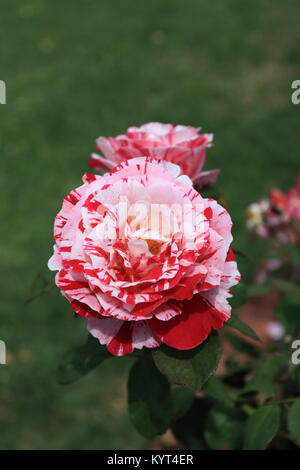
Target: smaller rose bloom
[[182, 145]]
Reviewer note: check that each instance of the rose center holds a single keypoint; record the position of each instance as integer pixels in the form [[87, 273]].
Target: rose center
[[154, 246]]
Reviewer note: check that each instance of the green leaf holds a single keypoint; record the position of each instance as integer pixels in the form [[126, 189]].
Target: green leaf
[[190, 368], [80, 360], [149, 398], [261, 427], [223, 427], [223, 424], [239, 297], [294, 421], [189, 428], [242, 327], [266, 373], [215, 389], [182, 400]]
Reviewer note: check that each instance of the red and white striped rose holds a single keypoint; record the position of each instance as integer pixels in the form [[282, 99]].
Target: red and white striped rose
[[139, 284], [182, 145]]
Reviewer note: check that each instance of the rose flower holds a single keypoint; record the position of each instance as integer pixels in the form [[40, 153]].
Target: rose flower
[[144, 257], [182, 145]]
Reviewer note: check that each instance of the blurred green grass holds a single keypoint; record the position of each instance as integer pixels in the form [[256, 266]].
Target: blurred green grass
[[75, 70]]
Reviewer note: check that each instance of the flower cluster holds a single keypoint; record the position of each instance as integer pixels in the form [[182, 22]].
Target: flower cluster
[[277, 217], [140, 253]]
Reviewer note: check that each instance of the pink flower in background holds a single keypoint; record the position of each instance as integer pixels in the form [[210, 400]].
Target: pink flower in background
[[277, 217], [182, 145], [144, 257]]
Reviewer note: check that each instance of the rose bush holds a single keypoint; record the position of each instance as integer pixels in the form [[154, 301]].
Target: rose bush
[[144, 257], [182, 145]]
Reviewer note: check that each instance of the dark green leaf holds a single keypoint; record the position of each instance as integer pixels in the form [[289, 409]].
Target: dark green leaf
[[294, 421], [239, 325], [79, 361], [149, 398], [266, 373], [214, 389], [223, 427], [239, 293], [182, 400], [189, 428], [261, 427], [190, 368]]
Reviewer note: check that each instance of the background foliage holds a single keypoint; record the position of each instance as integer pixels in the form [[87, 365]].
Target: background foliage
[[78, 69]]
